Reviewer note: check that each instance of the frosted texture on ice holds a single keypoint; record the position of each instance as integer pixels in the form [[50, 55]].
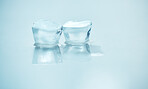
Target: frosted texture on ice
[[46, 33], [77, 33], [46, 25], [77, 24]]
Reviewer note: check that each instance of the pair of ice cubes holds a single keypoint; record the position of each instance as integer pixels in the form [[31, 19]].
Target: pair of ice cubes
[[47, 33]]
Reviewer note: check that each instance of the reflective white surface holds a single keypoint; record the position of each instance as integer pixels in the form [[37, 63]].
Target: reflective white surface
[[119, 29]]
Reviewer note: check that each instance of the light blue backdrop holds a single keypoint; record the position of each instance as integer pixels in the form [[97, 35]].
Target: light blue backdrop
[[120, 28]]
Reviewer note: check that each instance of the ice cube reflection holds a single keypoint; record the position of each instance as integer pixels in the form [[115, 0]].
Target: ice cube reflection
[[66, 53], [76, 52], [47, 55]]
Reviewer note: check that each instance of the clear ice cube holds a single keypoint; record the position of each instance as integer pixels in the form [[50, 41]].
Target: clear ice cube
[[77, 33], [46, 33]]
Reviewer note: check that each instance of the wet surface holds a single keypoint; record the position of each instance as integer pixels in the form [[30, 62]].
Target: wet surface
[[115, 58]]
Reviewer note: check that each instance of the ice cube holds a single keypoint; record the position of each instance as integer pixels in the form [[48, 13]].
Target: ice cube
[[46, 33], [77, 32]]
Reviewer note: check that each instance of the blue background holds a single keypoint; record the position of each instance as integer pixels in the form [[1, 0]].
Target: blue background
[[120, 28]]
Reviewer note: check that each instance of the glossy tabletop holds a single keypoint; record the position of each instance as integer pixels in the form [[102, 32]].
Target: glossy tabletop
[[115, 58]]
